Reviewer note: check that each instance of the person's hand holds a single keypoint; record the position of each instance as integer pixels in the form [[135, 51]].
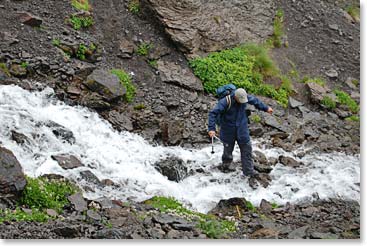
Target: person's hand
[[270, 110], [211, 134]]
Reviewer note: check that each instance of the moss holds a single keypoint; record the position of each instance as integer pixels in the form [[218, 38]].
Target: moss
[[125, 80]]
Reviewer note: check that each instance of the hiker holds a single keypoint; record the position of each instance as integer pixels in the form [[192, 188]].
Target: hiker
[[234, 127]]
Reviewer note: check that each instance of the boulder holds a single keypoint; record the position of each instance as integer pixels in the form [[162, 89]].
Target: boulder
[[317, 92], [228, 207], [126, 49], [95, 101], [289, 161], [120, 121], [204, 26], [12, 179], [67, 161], [29, 19], [173, 168], [175, 74], [106, 84], [277, 123], [20, 138], [171, 132], [90, 177], [294, 103], [61, 131], [78, 202]]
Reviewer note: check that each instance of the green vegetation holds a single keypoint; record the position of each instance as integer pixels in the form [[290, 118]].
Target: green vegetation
[[144, 48], [56, 42], [354, 10], [353, 118], [316, 80], [274, 205], [5, 69], [209, 224], [38, 195], [81, 52], [81, 21], [81, 4], [328, 102], [24, 64], [153, 63], [278, 28], [250, 206], [255, 118], [345, 99], [20, 215], [41, 193], [245, 66], [355, 82], [139, 106], [134, 6], [125, 80]]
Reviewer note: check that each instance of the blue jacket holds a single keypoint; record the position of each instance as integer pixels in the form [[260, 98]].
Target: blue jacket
[[234, 121]]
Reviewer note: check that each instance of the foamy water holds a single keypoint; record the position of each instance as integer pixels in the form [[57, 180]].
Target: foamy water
[[128, 159]]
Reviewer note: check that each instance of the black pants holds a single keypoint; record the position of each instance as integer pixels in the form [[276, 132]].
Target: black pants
[[246, 156]]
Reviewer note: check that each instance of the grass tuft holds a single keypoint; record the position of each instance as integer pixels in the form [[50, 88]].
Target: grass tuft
[[125, 80], [81, 4]]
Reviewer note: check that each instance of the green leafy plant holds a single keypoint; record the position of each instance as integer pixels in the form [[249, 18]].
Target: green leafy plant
[[41, 193], [81, 21], [56, 42], [153, 63], [81, 4], [209, 224], [5, 69], [20, 215], [255, 118], [125, 80], [278, 28], [353, 118], [24, 64], [250, 206], [328, 102], [82, 50], [244, 66], [345, 99], [274, 205], [144, 48], [134, 6]]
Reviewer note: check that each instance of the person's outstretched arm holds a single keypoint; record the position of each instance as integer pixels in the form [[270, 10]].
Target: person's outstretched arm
[[259, 104]]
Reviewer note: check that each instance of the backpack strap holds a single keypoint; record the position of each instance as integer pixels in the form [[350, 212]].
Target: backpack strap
[[229, 102]]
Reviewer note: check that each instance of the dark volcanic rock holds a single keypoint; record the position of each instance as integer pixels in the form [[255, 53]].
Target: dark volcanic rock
[[172, 73], [106, 84], [173, 168], [12, 179], [289, 161], [61, 131], [29, 19], [90, 177], [67, 161], [205, 26], [78, 202], [20, 138]]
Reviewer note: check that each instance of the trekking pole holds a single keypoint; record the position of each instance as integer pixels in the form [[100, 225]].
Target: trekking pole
[[213, 145]]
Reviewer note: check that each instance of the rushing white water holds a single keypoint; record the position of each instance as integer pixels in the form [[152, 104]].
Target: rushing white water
[[128, 159]]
